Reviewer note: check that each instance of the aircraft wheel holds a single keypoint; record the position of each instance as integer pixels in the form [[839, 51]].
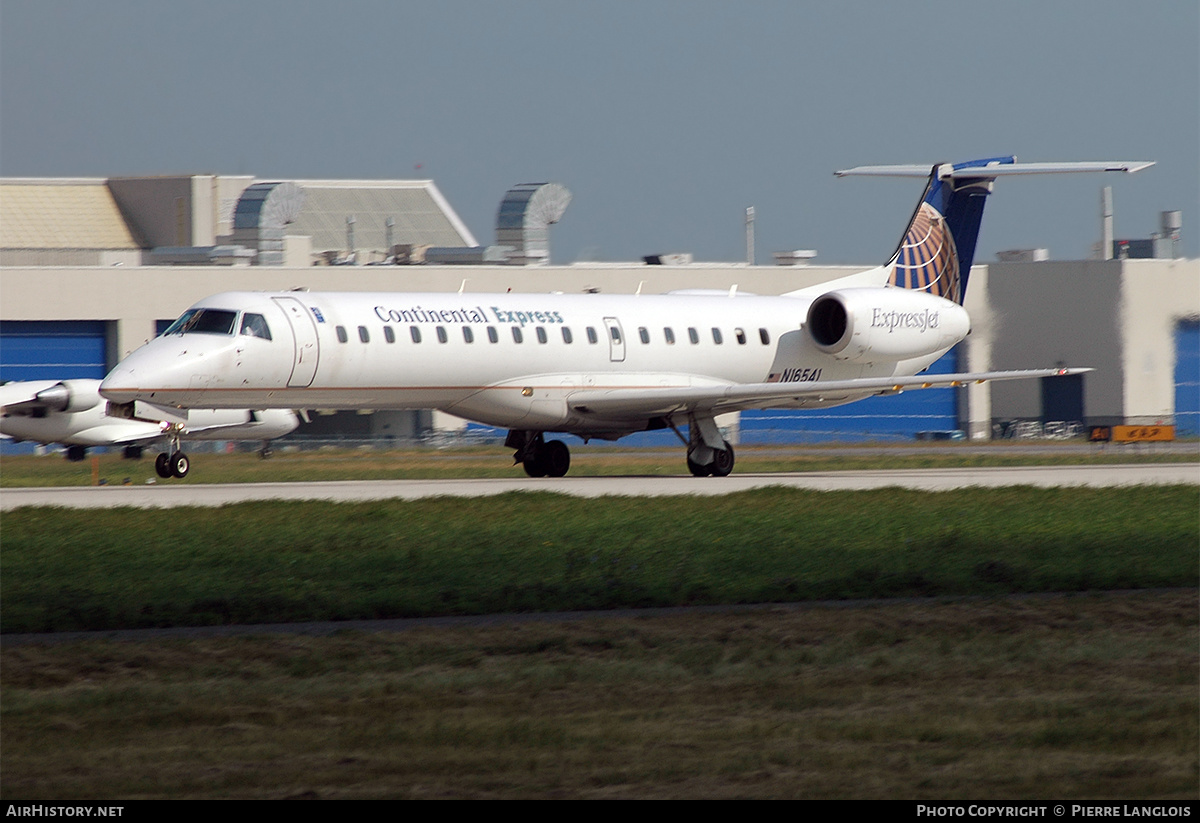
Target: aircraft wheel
[[132, 453], [556, 458], [699, 469], [76, 453], [535, 466], [179, 465], [162, 465], [722, 463]]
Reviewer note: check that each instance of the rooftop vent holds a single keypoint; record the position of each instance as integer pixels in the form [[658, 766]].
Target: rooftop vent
[[524, 219], [260, 216]]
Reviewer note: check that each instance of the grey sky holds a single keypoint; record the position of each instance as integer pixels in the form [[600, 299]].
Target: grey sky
[[665, 119]]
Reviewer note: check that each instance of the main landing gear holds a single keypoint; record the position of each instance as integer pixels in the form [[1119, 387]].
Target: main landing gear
[[173, 463], [540, 458], [708, 453]]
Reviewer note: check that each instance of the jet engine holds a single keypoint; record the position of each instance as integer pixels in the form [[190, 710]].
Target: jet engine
[[69, 396], [884, 324]]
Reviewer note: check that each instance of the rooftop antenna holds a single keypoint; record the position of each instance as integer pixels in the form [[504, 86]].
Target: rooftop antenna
[[1106, 223], [750, 236]]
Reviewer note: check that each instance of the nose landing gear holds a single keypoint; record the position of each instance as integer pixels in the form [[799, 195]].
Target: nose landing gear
[[173, 463]]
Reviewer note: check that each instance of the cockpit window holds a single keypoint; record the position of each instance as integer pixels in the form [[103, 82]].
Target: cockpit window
[[204, 321], [255, 325]]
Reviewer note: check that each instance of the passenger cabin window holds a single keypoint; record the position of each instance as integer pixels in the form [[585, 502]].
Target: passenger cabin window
[[717, 336], [341, 334], [493, 335], [693, 335], [468, 335], [643, 334], [441, 334], [591, 335], [669, 335], [415, 333], [764, 336], [541, 334], [255, 325], [363, 334], [741, 336], [567, 337], [388, 334], [616, 333], [517, 336], [204, 321]]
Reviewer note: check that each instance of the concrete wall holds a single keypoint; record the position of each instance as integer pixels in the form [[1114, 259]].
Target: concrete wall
[[1155, 296], [1116, 316]]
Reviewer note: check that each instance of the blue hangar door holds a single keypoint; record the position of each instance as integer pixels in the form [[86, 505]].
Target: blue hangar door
[[890, 418], [52, 349], [1187, 378]]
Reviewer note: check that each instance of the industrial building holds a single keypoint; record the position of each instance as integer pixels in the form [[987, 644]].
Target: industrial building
[[92, 268]]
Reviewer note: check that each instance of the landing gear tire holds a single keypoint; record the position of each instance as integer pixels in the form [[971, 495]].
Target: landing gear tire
[[162, 465], [179, 465], [535, 466], [722, 463], [76, 453], [538, 457], [556, 458], [132, 453]]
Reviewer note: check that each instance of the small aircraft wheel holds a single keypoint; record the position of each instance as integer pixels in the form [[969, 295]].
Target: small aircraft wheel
[[76, 453], [556, 458], [536, 466], [699, 469], [132, 453], [162, 465], [180, 465], [722, 463]]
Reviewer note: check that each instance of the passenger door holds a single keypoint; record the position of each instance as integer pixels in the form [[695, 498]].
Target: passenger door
[[304, 332]]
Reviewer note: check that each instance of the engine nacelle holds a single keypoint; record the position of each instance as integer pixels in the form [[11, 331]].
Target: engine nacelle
[[884, 324], [69, 396]]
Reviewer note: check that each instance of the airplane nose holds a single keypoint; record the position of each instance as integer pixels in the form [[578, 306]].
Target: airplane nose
[[119, 386]]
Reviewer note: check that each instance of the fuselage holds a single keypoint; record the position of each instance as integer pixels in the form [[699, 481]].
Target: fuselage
[[508, 360]]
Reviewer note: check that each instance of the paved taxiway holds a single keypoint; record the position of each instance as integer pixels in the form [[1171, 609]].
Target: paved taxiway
[[169, 494]]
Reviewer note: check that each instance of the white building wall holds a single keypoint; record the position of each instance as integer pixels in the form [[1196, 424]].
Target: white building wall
[[1155, 296]]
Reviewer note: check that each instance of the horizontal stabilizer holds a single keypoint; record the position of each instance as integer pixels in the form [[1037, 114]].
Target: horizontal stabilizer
[[947, 171]]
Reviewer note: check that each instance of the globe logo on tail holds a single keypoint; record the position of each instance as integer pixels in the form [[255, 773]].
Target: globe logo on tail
[[927, 260]]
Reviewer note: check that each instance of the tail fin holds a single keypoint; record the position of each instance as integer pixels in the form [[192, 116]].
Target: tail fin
[[938, 248]]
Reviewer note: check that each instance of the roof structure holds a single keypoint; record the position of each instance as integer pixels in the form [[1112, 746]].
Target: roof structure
[[66, 214], [419, 213]]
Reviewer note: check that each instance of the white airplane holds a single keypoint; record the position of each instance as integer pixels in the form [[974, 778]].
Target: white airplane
[[72, 412], [593, 365]]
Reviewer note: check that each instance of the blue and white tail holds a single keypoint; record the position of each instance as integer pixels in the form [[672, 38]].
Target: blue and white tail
[[938, 248]]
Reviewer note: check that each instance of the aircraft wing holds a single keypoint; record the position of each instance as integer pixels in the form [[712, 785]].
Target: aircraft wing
[[22, 397], [735, 397]]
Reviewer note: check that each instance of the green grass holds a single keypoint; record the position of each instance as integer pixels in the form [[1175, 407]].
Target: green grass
[[1084, 697], [494, 461], [293, 561], [1090, 696]]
